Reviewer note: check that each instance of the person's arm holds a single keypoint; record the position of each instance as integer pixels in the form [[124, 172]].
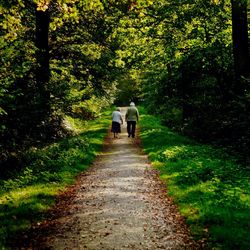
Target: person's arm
[[137, 115]]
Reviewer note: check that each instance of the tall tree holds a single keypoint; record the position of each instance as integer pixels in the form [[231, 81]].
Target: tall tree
[[42, 56], [240, 42]]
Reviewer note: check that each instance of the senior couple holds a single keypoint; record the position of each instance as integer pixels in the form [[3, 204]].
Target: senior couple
[[131, 117]]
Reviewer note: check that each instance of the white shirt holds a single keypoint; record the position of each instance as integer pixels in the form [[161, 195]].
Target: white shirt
[[117, 116]]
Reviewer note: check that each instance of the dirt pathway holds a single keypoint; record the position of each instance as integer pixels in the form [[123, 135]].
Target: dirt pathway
[[118, 204]]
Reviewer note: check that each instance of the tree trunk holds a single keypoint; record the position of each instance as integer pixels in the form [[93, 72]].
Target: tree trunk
[[42, 56], [240, 43]]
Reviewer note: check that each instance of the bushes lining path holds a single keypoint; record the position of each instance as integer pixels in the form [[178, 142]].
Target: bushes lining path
[[29, 192], [210, 188], [119, 203]]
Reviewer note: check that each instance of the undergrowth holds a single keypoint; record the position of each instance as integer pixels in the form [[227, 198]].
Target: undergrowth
[[209, 186], [25, 197]]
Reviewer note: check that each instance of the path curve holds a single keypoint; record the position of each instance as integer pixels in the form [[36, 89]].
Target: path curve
[[119, 203]]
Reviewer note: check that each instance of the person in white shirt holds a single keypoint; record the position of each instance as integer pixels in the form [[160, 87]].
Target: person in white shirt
[[116, 122]]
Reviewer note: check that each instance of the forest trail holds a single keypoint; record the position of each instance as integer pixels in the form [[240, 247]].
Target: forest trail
[[119, 203]]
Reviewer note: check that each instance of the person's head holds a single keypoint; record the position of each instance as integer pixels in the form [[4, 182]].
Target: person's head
[[118, 109], [132, 104]]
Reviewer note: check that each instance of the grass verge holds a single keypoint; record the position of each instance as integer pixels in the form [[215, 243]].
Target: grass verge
[[26, 196], [210, 187]]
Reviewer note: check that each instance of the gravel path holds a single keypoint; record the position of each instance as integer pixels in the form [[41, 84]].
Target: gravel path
[[120, 203]]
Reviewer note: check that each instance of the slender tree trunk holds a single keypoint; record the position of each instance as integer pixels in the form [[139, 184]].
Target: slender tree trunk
[[42, 56], [240, 43]]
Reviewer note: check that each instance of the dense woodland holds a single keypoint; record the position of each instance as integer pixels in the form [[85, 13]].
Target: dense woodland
[[186, 61]]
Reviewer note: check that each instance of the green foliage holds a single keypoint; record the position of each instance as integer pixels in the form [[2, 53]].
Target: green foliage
[[210, 187], [182, 53], [128, 89], [27, 194], [81, 66], [174, 56]]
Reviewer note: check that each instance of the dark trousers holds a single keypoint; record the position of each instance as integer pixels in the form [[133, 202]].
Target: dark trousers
[[131, 125]]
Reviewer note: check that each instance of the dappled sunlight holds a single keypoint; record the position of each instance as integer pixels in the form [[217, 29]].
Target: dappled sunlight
[[205, 182], [21, 195], [20, 208], [174, 152], [116, 202], [67, 65], [29, 194]]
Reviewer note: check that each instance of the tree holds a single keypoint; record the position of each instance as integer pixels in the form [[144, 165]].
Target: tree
[[42, 56], [240, 43]]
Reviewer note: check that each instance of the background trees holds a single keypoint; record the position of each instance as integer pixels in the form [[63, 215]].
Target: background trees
[[182, 59], [55, 55], [58, 58], [240, 43], [190, 74]]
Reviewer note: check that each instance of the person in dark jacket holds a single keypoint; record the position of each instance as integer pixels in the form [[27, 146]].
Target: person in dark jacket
[[131, 117]]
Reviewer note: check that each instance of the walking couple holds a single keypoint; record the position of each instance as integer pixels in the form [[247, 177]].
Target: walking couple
[[131, 117]]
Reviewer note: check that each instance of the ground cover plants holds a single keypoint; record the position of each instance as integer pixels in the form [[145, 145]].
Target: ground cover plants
[[26, 195], [210, 187]]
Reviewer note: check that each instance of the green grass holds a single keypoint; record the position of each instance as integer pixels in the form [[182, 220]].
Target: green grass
[[26, 196], [210, 187]]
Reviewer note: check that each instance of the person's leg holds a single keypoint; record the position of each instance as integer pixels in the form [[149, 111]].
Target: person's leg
[[129, 128], [113, 128], [118, 131], [133, 129]]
